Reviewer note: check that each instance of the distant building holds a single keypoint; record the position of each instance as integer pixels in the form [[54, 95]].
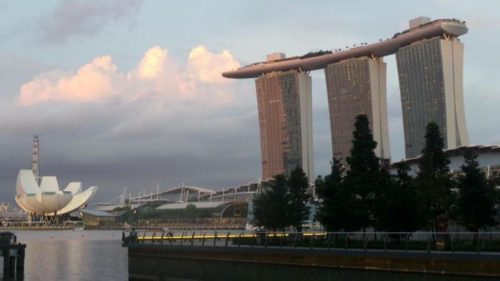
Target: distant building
[[488, 157], [357, 86], [41, 197], [47, 199], [430, 78], [285, 119], [99, 218]]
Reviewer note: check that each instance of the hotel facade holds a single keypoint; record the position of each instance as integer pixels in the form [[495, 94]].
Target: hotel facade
[[430, 67]]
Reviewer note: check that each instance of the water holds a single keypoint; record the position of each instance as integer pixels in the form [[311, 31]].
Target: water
[[74, 255]]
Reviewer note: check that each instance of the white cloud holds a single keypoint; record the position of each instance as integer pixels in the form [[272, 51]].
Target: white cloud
[[208, 66], [93, 82], [156, 77], [153, 63]]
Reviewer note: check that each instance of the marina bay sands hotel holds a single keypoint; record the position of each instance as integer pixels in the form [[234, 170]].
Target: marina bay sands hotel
[[429, 59]]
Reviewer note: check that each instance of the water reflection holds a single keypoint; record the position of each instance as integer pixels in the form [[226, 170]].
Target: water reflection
[[74, 255]]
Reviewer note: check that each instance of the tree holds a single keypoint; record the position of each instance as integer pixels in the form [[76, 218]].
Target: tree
[[433, 181], [270, 206], [297, 198], [328, 190], [191, 211], [335, 211], [363, 179], [398, 205], [476, 197]]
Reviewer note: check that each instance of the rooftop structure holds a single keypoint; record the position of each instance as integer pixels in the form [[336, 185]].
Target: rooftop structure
[[178, 197], [314, 61]]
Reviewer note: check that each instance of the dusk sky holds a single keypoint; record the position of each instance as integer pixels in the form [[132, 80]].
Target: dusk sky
[[129, 92]]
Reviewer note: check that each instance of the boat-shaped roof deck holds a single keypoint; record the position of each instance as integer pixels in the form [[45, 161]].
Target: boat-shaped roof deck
[[319, 60]]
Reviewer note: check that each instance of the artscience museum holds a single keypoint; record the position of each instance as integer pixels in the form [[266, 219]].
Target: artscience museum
[[46, 198]]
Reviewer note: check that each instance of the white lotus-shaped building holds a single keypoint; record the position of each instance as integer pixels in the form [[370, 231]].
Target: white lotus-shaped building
[[46, 199]]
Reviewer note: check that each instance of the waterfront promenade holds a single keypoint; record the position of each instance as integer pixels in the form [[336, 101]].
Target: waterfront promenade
[[333, 256]]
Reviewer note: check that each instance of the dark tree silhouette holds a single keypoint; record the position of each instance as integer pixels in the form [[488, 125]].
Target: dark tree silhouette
[[363, 178], [270, 206], [477, 196], [398, 206], [336, 208], [434, 182], [297, 210]]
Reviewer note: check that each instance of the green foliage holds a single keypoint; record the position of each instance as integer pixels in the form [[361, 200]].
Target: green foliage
[[335, 212], [397, 205], [191, 211], [366, 195], [283, 204], [297, 211], [434, 182], [477, 196], [270, 206], [363, 179]]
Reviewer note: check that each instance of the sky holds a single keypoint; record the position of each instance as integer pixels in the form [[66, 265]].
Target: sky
[[128, 93]]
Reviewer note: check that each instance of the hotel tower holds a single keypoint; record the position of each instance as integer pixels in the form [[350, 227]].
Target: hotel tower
[[285, 120]]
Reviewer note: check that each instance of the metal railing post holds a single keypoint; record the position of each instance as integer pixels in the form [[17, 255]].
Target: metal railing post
[[385, 242], [227, 239], [452, 243], [192, 239], [364, 241], [428, 243], [203, 239], [478, 243], [182, 238], [215, 238], [406, 241]]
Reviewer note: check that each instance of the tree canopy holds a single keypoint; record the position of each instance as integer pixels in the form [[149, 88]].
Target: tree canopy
[[297, 210], [398, 204], [335, 211], [283, 202], [270, 206], [477, 196], [434, 182], [363, 177]]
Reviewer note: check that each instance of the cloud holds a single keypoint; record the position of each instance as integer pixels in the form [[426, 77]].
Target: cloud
[[93, 82], [156, 77], [75, 18], [153, 63], [208, 66], [167, 120]]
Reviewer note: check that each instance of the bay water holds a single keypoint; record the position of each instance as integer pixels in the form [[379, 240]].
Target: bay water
[[73, 255]]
